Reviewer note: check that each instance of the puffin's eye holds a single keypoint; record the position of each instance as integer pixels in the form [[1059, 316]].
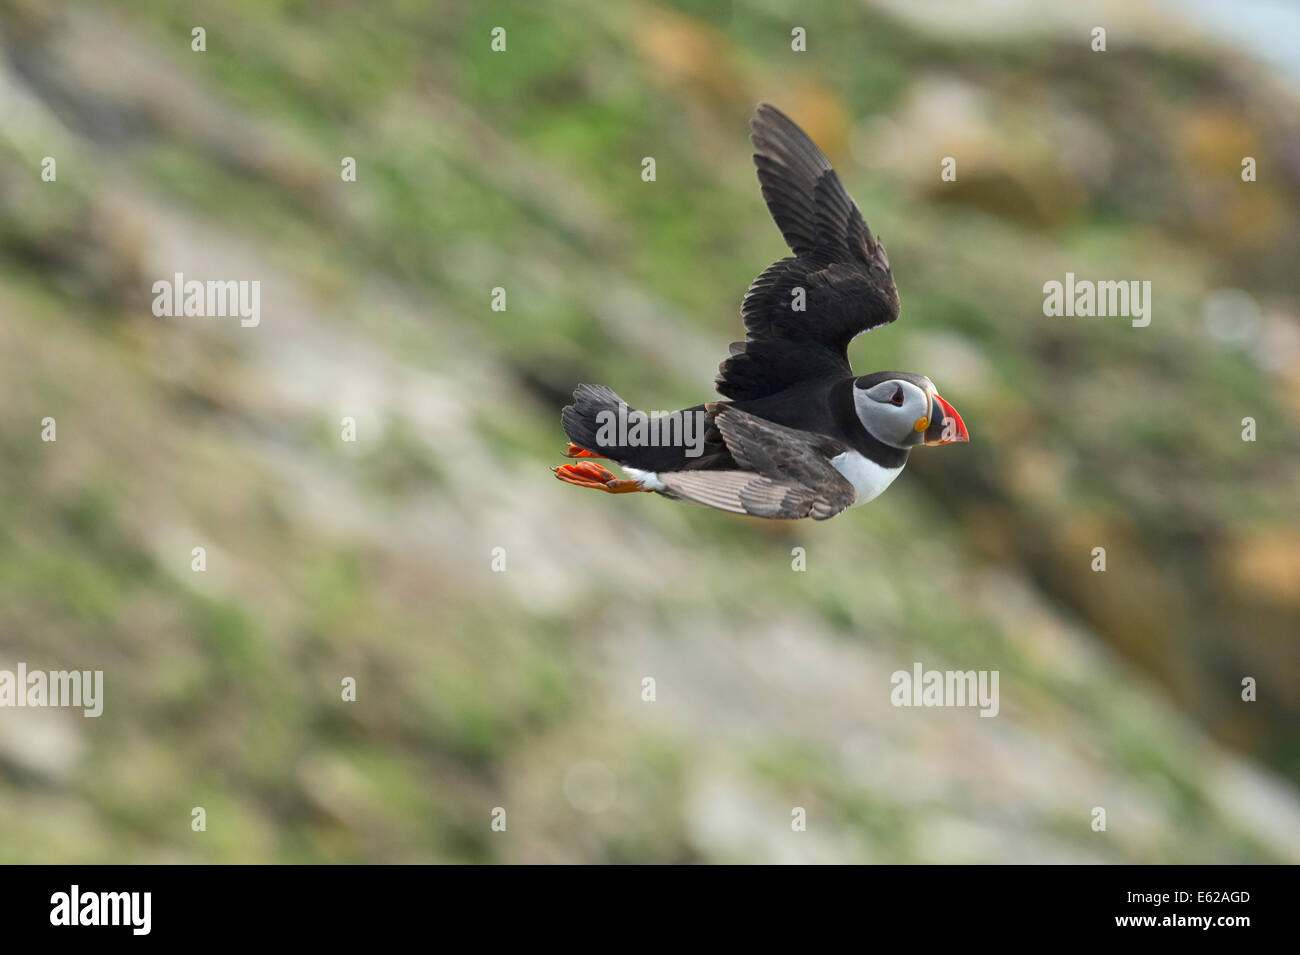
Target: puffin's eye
[[897, 400]]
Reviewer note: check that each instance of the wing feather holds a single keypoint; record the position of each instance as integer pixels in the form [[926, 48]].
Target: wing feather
[[839, 272], [783, 472]]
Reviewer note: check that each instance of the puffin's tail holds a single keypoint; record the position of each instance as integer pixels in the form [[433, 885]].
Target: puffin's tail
[[592, 406], [592, 416], [601, 424]]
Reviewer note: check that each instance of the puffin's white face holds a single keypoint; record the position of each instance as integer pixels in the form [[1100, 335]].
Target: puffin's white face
[[894, 411], [904, 414]]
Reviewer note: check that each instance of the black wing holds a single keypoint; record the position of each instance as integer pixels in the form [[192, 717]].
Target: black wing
[[786, 472], [839, 269]]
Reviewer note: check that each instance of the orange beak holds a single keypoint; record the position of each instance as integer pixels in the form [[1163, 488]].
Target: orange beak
[[946, 426]]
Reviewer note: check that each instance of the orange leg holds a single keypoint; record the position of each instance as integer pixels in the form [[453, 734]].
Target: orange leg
[[587, 474], [577, 452]]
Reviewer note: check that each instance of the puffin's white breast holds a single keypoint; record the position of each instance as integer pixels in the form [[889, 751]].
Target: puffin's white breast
[[866, 476]]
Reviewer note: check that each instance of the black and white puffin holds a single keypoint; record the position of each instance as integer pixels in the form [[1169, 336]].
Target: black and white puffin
[[799, 434]]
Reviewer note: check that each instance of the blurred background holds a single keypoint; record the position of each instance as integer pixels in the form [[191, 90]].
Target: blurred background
[[522, 689]]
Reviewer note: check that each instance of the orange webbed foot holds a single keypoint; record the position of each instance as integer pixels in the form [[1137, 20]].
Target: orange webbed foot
[[587, 474], [577, 452]]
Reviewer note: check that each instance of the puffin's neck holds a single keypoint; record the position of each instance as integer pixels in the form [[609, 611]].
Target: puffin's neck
[[859, 438]]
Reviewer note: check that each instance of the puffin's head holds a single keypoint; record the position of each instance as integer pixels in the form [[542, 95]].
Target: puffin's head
[[904, 410]]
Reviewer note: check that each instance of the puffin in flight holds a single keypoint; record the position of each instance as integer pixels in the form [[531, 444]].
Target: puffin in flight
[[799, 434]]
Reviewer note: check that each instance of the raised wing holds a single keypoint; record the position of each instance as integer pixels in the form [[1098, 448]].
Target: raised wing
[[801, 312], [786, 472]]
